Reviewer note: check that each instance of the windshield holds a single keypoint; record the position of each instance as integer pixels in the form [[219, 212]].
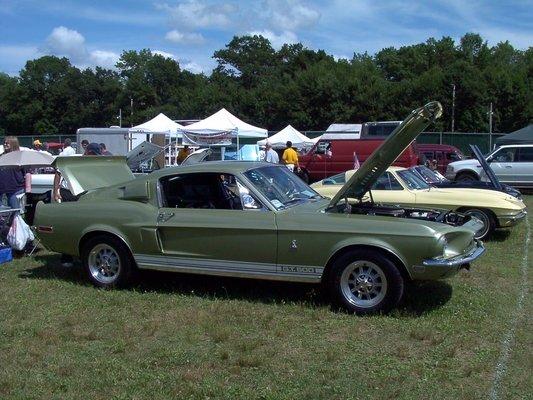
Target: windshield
[[426, 173], [339, 179], [412, 180], [280, 186]]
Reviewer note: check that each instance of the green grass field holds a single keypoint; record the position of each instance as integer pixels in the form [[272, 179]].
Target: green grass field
[[181, 336]]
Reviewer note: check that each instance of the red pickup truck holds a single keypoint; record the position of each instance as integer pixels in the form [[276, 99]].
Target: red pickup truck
[[442, 153], [338, 152]]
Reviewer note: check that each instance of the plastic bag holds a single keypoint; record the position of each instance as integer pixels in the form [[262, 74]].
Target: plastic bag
[[19, 234]]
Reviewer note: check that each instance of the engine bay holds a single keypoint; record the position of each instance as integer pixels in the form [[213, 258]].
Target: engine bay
[[443, 216]]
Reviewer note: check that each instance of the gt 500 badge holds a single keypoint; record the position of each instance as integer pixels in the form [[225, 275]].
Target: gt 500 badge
[[307, 270]]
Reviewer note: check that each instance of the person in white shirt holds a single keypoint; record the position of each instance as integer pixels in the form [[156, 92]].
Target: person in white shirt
[[68, 150], [270, 154]]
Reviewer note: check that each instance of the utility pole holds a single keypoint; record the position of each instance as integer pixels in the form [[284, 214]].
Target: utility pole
[[131, 111], [120, 117], [453, 107], [490, 126]]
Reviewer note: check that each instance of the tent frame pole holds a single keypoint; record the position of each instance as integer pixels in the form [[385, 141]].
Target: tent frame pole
[[238, 153]]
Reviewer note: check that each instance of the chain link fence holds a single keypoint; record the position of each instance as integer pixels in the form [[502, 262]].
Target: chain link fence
[[461, 140]]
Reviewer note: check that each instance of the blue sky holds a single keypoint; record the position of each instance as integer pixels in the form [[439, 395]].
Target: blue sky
[[93, 33]]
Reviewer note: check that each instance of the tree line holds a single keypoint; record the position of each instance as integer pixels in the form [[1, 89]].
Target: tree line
[[271, 88]]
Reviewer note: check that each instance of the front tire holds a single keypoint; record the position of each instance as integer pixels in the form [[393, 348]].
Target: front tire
[[107, 262], [487, 219], [466, 177], [365, 282]]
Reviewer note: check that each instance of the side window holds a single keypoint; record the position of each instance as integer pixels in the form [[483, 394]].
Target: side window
[[505, 155], [339, 179], [387, 182], [429, 155], [525, 154], [205, 190], [453, 156]]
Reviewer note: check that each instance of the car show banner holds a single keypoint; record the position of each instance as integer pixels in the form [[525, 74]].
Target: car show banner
[[207, 138]]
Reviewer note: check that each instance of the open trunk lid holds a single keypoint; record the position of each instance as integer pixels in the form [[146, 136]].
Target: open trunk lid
[[93, 172]]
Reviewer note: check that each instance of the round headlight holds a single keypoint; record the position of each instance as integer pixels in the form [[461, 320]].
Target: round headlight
[[447, 251]]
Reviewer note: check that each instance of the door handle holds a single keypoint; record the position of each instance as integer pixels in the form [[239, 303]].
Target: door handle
[[164, 216], [508, 166]]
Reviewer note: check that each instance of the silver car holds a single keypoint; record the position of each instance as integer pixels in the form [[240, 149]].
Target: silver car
[[512, 164]]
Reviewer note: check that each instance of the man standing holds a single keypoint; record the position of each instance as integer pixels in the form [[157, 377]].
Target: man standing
[[290, 157], [37, 145], [84, 144], [270, 154], [68, 150]]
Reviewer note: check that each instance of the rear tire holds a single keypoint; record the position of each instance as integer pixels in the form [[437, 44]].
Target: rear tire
[[466, 177], [107, 261], [488, 222], [365, 282]]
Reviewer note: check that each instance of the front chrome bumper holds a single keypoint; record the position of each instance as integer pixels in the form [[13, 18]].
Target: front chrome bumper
[[439, 268], [506, 221], [459, 259]]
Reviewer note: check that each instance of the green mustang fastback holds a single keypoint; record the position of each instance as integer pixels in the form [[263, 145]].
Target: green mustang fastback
[[256, 220]]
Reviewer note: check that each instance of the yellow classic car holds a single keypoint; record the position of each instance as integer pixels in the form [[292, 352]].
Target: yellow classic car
[[401, 186]]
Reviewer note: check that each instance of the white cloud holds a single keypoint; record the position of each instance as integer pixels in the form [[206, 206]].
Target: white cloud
[[277, 41], [193, 67], [194, 14], [291, 14], [67, 43], [164, 54], [102, 58], [340, 57], [176, 36]]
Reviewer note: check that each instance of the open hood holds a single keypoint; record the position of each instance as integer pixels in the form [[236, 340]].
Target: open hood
[[197, 156], [93, 172], [486, 167], [142, 153], [375, 165]]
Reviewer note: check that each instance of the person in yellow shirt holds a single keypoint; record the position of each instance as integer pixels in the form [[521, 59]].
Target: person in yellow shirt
[[290, 157], [182, 154]]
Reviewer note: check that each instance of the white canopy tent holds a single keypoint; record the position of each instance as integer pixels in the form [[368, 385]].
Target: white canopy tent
[[279, 140], [159, 124], [219, 128]]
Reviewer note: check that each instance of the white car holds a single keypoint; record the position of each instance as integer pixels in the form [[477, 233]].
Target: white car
[[512, 164]]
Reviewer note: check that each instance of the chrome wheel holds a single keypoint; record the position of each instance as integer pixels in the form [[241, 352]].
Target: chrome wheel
[[363, 284], [104, 263], [484, 218]]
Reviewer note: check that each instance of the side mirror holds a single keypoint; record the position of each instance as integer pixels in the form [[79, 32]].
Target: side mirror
[[489, 160]]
